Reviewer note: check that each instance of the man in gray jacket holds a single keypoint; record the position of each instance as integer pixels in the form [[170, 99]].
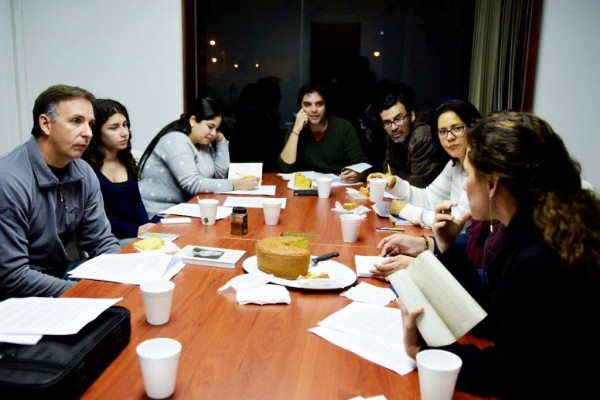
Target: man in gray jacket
[[49, 197]]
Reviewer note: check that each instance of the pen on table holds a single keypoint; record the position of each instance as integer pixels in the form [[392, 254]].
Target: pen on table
[[387, 229]]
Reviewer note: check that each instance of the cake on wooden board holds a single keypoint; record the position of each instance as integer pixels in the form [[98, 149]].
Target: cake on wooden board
[[285, 257]]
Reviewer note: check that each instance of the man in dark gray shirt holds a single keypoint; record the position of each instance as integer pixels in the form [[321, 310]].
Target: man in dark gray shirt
[[49, 197]]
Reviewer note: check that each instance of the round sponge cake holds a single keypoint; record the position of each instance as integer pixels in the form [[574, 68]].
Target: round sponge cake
[[285, 257]]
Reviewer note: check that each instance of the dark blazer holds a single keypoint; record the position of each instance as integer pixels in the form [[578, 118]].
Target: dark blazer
[[542, 319]]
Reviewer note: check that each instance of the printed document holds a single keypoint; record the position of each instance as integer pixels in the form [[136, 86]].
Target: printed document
[[193, 210], [372, 332], [130, 268], [50, 316], [249, 202]]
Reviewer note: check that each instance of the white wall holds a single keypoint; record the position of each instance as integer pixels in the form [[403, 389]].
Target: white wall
[[10, 132], [130, 51], [567, 91]]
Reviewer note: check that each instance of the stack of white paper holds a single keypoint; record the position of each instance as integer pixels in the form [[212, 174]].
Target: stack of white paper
[[133, 268], [193, 210], [249, 202], [372, 332], [25, 320]]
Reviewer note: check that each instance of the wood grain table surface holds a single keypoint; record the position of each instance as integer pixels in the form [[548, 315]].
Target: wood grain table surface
[[233, 351]]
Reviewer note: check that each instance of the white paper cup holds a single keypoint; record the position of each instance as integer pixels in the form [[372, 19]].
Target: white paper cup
[[271, 211], [157, 296], [438, 371], [208, 210], [350, 227], [324, 187], [376, 189], [159, 359]]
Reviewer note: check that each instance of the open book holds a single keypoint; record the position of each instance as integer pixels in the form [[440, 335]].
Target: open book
[[449, 311]]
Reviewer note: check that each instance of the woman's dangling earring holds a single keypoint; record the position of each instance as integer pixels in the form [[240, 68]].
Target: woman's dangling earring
[[491, 221]]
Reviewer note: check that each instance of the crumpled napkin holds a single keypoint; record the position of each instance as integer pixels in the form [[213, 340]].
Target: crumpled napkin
[[371, 294], [355, 194], [265, 294], [256, 289], [245, 281], [286, 177], [360, 210], [382, 208]]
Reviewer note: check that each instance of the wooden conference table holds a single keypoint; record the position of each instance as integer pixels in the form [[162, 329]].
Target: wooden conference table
[[233, 351]]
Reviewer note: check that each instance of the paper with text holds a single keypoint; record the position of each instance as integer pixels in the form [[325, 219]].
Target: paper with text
[[372, 332], [262, 190], [19, 339], [129, 268], [240, 170], [312, 175], [364, 265], [360, 167], [193, 210], [50, 316], [249, 202]]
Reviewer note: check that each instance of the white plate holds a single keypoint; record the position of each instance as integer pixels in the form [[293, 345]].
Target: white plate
[[340, 276]]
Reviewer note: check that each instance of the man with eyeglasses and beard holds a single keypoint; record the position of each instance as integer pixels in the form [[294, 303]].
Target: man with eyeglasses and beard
[[413, 153]]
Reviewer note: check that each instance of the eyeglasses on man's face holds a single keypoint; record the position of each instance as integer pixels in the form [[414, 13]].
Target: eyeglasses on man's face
[[398, 120], [457, 131]]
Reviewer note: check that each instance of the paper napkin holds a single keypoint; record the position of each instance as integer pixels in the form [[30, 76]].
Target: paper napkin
[[358, 210], [265, 294], [245, 281], [355, 194]]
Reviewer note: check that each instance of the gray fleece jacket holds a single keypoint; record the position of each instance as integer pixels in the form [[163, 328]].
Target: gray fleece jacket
[[39, 214]]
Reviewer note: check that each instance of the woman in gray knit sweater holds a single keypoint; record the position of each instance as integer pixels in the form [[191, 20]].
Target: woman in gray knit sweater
[[182, 160]]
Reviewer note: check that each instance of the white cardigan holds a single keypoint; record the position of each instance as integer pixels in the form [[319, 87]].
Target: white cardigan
[[420, 209]]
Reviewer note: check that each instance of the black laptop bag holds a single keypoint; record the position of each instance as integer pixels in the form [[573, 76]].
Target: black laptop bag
[[63, 367]]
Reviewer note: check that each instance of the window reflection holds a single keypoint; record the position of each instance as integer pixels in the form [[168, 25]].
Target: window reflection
[[345, 45]]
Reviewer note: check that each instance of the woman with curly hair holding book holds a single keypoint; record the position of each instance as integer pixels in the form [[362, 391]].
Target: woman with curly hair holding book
[[543, 293]]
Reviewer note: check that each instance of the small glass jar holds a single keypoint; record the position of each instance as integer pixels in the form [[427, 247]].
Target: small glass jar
[[239, 221]]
